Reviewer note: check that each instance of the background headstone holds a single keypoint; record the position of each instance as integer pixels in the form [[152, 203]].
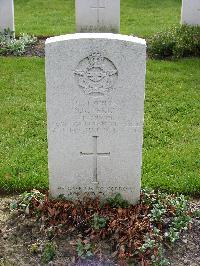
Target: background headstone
[[6, 15], [98, 16], [95, 107], [190, 12]]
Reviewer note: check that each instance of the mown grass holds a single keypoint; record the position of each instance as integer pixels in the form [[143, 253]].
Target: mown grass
[[171, 135], [23, 147], [171, 158], [138, 17]]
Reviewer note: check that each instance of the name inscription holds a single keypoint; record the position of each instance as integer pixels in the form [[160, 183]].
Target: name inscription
[[94, 116]]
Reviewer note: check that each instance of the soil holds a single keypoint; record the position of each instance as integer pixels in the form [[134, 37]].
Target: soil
[[18, 236], [36, 49]]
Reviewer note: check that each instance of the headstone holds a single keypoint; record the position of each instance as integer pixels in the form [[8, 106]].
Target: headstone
[[95, 107], [190, 12], [98, 16], [6, 15]]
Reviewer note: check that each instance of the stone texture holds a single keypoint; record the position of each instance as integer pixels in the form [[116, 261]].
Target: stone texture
[[6, 15], [95, 107], [98, 16], [190, 12]]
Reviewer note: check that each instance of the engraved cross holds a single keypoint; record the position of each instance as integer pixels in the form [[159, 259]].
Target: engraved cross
[[100, 4], [95, 155]]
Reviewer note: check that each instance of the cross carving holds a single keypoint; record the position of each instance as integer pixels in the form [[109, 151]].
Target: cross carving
[[95, 155], [100, 4]]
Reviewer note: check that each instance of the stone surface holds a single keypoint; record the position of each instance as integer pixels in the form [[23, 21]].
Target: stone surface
[[6, 15], [190, 12], [95, 107], [98, 16]]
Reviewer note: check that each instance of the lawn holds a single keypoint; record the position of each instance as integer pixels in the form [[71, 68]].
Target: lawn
[[171, 135], [138, 17]]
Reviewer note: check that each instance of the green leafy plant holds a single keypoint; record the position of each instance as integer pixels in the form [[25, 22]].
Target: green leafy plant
[[98, 222], [196, 213], [159, 259], [84, 249], [163, 206], [148, 244], [49, 252], [9, 45], [157, 212], [26, 199], [34, 248], [177, 224], [181, 222], [172, 235], [13, 205], [176, 42], [117, 201]]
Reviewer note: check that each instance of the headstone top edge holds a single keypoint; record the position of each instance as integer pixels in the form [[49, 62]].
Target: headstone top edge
[[109, 36]]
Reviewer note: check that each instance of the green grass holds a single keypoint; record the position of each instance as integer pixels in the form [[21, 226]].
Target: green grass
[[171, 137], [172, 126], [138, 17], [146, 17], [23, 147]]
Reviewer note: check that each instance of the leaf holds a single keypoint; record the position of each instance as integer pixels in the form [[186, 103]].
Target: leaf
[[27, 211], [120, 211]]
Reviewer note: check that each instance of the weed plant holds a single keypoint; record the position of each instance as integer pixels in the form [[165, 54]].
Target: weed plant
[[9, 45]]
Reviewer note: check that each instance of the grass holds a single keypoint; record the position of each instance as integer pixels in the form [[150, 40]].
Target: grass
[[171, 135], [138, 17], [23, 147]]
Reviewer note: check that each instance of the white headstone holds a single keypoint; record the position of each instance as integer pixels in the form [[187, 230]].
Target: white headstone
[[190, 12], [95, 107], [98, 16], [6, 15]]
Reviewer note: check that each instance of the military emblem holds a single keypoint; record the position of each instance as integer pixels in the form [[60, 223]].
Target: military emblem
[[96, 75]]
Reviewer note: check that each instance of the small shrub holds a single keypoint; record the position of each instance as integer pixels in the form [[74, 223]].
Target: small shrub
[[177, 42], [48, 253], [118, 202], [34, 248], [84, 249], [98, 222], [9, 45]]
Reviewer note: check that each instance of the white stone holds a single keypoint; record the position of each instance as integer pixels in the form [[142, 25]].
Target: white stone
[[6, 15], [98, 16], [190, 12], [95, 107]]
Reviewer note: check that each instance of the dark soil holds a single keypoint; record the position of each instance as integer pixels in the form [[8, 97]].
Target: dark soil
[[18, 236], [36, 49]]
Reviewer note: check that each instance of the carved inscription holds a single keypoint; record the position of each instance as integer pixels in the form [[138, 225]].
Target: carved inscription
[[96, 75], [88, 188], [94, 116]]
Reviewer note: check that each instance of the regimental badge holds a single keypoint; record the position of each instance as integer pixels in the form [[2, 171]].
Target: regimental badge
[[96, 75]]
